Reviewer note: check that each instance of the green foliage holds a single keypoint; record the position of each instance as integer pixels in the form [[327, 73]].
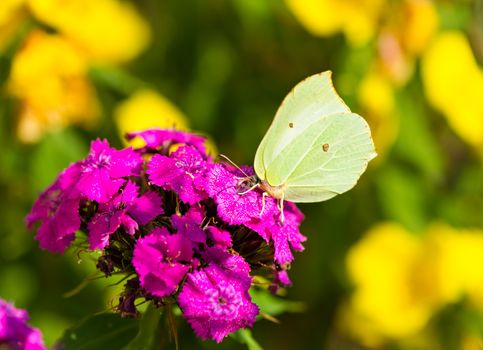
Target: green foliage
[[145, 339], [273, 305], [417, 142], [411, 206], [104, 331], [244, 336], [51, 156]]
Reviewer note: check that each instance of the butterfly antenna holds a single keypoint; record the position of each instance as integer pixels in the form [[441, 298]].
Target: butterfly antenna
[[233, 163]]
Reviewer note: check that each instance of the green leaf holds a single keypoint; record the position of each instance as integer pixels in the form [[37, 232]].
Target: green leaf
[[116, 79], [100, 332], [403, 197], [53, 154], [244, 336], [463, 205], [148, 325], [455, 14], [273, 305], [10, 47], [417, 143]]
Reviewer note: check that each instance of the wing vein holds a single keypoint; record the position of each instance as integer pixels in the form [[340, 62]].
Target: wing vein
[[309, 149]]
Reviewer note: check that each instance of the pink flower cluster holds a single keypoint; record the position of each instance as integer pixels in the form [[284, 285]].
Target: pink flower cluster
[[176, 221], [15, 333]]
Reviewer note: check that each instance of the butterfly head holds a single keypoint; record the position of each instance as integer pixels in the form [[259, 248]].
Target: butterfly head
[[248, 183]]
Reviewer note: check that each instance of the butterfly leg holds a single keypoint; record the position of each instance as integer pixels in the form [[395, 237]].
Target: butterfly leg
[[281, 208], [264, 194], [249, 190]]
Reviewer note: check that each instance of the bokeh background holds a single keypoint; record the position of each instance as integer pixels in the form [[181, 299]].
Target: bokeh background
[[396, 263]]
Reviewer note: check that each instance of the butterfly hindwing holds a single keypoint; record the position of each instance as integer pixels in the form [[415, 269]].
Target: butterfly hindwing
[[335, 161]]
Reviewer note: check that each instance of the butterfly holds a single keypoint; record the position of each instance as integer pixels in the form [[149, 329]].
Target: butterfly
[[315, 148]]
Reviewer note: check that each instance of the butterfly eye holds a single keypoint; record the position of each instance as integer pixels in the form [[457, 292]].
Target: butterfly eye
[[290, 125], [247, 184], [325, 147]]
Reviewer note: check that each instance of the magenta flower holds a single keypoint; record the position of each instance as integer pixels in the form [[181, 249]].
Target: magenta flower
[[285, 235], [157, 138], [215, 302], [228, 261], [189, 225], [15, 333], [102, 173], [182, 172], [125, 209], [280, 278], [162, 260], [225, 185], [181, 227], [146, 208], [57, 209], [219, 237], [283, 278]]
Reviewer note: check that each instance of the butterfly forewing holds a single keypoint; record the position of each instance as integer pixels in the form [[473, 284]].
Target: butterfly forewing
[[289, 158], [315, 148], [306, 103]]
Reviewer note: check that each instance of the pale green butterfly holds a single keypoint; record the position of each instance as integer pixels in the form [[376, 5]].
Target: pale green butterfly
[[315, 148]]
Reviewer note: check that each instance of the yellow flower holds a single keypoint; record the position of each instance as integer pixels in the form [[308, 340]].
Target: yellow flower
[[357, 19], [366, 332], [456, 258], [406, 33], [381, 267], [419, 25], [147, 109], [48, 76], [401, 279], [351, 322], [453, 83], [472, 342], [392, 61], [9, 9], [376, 98], [11, 16], [108, 30]]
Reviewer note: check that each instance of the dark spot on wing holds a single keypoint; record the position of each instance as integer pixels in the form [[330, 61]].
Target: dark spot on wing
[[325, 147], [290, 125]]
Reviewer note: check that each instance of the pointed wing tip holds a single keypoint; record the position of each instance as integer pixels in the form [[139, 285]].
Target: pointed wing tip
[[373, 155], [324, 74]]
